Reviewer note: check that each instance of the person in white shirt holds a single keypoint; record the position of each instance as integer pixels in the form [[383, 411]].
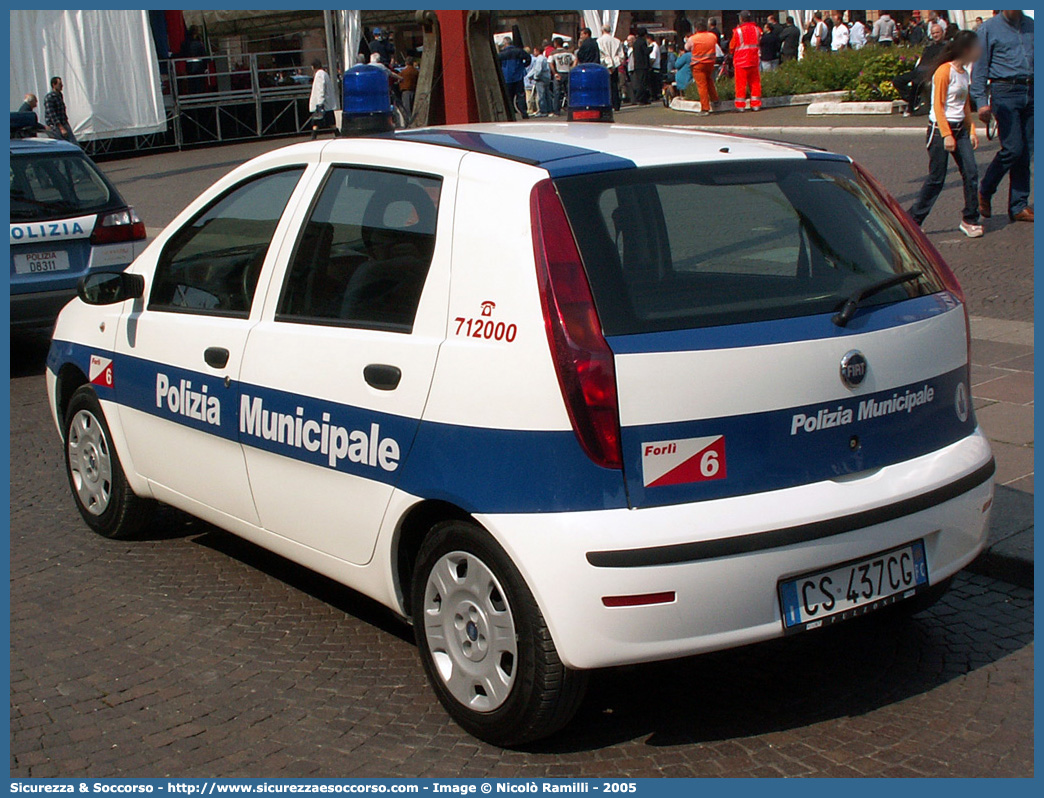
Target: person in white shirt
[[655, 79], [611, 50], [320, 103], [857, 35], [840, 35]]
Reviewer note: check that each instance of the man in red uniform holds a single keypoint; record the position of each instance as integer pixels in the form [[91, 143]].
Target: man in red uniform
[[746, 61]]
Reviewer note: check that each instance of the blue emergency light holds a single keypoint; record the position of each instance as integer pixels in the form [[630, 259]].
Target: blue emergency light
[[366, 102], [590, 99]]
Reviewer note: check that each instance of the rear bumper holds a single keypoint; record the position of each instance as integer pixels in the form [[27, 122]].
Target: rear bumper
[[38, 309], [723, 559]]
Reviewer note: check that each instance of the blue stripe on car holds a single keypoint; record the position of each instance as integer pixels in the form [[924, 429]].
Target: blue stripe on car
[[487, 470], [560, 160]]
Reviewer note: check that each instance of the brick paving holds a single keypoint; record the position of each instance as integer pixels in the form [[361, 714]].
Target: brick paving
[[197, 654]]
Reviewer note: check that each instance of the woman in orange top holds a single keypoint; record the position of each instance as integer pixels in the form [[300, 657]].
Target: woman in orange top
[[704, 48], [951, 132]]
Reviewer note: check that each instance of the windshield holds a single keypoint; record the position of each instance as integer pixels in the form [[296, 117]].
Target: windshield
[[55, 186], [670, 248]]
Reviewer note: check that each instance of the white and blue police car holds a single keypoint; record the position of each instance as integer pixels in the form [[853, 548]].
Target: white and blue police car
[[567, 396], [66, 219]]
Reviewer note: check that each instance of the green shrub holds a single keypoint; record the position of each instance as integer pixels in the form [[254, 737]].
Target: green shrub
[[874, 81], [865, 74]]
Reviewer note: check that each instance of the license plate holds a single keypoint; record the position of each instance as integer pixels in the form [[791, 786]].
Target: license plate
[[853, 588], [51, 260]]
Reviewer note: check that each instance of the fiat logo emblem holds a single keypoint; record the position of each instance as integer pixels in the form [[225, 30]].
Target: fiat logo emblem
[[853, 368]]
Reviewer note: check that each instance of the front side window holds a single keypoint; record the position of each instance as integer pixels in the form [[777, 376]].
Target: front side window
[[211, 265], [707, 245], [364, 254]]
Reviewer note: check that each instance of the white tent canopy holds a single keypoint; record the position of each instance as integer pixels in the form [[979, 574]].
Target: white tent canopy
[[596, 19], [107, 60]]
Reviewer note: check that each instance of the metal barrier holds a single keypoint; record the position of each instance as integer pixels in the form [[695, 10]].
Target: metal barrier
[[224, 98]]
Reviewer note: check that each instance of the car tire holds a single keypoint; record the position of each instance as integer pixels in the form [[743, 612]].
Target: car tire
[[101, 491], [516, 689]]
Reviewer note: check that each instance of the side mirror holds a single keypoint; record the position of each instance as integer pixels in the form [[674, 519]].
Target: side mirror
[[110, 288]]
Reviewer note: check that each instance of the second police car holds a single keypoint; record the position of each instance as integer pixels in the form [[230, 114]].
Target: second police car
[[567, 396], [66, 219]]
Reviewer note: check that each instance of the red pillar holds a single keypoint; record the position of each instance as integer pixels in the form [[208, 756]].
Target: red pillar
[[458, 82]]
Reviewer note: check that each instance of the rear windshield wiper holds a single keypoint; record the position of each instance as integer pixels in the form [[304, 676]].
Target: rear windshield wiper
[[842, 317]]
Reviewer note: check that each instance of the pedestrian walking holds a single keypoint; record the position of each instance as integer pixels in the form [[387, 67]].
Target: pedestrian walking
[[840, 35], [28, 105], [884, 31], [770, 44], [703, 46], [790, 41], [655, 59], [408, 84], [914, 35], [820, 33], [857, 35], [540, 74], [514, 62], [320, 102], [642, 67], [627, 85], [562, 62], [55, 116], [611, 52], [1002, 86], [951, 132], [746, 38], [587, 52]]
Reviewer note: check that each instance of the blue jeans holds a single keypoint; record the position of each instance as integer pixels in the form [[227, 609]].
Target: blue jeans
[[543, 96], [561, 93], [1013, 107], [938, 159]]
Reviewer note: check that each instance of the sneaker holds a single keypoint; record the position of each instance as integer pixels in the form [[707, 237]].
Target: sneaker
[[971, 230]]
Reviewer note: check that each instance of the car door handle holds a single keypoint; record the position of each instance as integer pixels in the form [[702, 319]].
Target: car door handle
[[381, 377], [216, 357]]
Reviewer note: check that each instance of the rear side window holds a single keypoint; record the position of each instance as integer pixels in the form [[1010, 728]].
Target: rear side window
[[364, 254], [56, 186], [211, 265], [707, 245]]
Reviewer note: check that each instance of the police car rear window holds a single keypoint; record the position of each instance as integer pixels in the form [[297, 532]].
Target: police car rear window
[[55, 186], [707, 245]]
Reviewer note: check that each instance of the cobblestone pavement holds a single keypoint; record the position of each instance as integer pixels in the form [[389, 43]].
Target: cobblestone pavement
[[196, 653]]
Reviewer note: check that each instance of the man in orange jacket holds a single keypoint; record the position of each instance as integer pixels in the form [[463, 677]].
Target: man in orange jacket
[[746, 61], [704, 45]]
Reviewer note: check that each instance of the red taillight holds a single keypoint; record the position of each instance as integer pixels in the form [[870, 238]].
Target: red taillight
[[938, 263], [583, 360], [119, 226]]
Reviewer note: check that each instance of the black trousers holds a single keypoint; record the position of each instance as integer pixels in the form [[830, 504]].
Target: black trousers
[[641, 86], [938, 161], [614, 87], [516, 91]]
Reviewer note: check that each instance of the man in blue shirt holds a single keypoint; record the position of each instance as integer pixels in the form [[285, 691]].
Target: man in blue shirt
[[1002, 85]]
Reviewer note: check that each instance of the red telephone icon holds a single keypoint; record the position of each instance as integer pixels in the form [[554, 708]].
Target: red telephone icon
[[487, 308]]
